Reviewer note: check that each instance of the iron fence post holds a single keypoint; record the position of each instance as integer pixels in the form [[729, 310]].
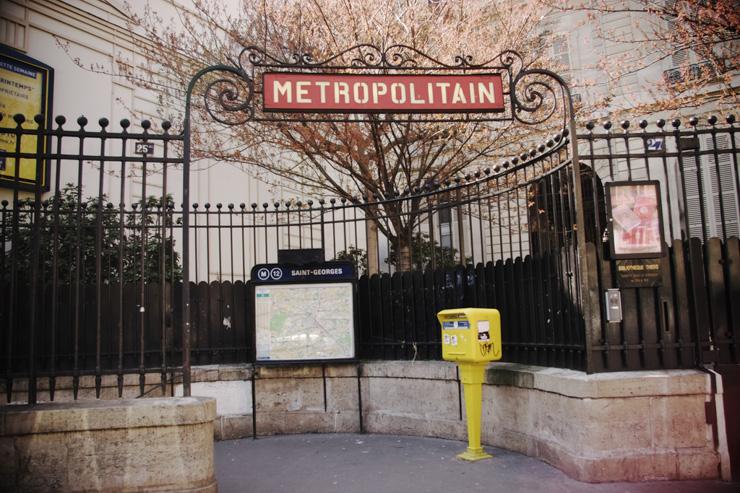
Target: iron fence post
[[186, 245], [588, 287]]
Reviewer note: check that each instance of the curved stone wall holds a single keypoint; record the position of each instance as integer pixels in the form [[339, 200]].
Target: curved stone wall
[[122, 445], [626, 426], [601, 427]]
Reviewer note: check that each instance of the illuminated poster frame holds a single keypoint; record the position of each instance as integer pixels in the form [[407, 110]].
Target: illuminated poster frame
[[635, 219], [26, 87]]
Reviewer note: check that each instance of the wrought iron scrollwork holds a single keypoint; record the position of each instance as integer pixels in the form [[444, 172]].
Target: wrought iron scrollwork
[[229, 99], [397, 56], [536, 95]]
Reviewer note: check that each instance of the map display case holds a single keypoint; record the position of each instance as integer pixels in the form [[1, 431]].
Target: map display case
[[304, 313]]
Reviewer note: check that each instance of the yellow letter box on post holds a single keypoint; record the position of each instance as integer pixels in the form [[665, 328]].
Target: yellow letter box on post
[[472, 338]]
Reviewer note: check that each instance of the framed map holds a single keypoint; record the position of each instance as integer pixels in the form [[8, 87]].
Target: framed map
[[304, 314]]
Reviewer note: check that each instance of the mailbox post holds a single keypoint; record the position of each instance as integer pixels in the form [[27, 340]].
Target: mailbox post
[[472, 338]]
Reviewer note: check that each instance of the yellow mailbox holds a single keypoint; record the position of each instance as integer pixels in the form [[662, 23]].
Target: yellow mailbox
[[472, 338], [471, 334]]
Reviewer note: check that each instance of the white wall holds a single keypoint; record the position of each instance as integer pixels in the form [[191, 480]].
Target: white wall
[[96, 33]]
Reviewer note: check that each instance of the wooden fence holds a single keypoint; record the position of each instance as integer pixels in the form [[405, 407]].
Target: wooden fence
[[693, 317]]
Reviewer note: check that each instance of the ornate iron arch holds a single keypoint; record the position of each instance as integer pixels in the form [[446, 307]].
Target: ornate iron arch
[[233, 95], [533, 96]]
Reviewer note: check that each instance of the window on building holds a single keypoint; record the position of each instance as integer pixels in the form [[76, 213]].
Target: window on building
[[14, 32], [711, 199], [561, 52], [445, 227]]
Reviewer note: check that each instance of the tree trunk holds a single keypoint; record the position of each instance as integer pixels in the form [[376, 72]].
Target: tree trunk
[[372, 247], [404, 254]]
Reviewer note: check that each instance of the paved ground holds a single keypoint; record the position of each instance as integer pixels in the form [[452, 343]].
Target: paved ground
[[348, 463]]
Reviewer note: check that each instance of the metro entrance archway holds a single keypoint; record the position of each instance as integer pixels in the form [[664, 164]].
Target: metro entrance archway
[[368, 84]]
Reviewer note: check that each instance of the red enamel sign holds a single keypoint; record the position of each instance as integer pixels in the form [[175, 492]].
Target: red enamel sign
[[344, 93]]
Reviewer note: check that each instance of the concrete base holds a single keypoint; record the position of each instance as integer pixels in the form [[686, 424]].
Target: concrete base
[[122, 446], [629, 426]]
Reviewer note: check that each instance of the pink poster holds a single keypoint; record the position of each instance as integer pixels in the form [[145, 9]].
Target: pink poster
[[636, 222]]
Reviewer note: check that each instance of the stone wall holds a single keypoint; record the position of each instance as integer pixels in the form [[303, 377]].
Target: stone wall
[[601, 427], [113, 445], [605, 427]]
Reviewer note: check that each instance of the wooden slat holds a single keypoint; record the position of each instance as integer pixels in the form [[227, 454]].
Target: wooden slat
[[87, 329], [666, 309], [377, 313], [249, 321], [226, 315], [717, 302], [429, 319], [488, 285], [386, 308], [560, 300], [396, 321], [176, 343], [363, 316], [649, 327], [500, 300], [549, 307], [684, 329], [130, 324], [153, 316], [732, 261], [521, 310], [419, 307], [239, 324], [615, 358], [699, 300], [631, 327], [533, 311], [539, 311], [568, 300], [204, 334], [510, 307], [480, 285], [215, 326], [407, 318]]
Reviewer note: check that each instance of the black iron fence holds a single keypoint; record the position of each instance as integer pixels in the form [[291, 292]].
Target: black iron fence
[[691, 317], [86, 278], [90, 273]]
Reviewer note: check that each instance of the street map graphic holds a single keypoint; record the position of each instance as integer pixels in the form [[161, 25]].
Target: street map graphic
[[304, 321]]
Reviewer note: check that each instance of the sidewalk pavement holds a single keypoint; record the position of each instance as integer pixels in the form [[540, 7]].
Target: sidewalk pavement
[[350, 463]]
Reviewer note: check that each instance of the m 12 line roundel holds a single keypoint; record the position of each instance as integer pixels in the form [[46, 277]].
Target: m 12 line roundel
[[346, 93]]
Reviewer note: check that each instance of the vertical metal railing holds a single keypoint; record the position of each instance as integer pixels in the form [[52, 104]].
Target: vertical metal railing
[[109, 268], [71, 260]]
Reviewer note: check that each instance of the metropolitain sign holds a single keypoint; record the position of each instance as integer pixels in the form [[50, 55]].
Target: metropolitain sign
[[346, 93]]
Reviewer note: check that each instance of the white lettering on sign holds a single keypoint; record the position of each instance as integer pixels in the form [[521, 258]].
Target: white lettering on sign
[[398, 93], [301, 92], [322, 84], [404, 93], [285, 89], [379, 89], [144, 147], [316, 272], [654, 144]]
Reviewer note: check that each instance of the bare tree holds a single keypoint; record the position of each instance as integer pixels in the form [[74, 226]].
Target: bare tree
[[378, 159], [670, 30]]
